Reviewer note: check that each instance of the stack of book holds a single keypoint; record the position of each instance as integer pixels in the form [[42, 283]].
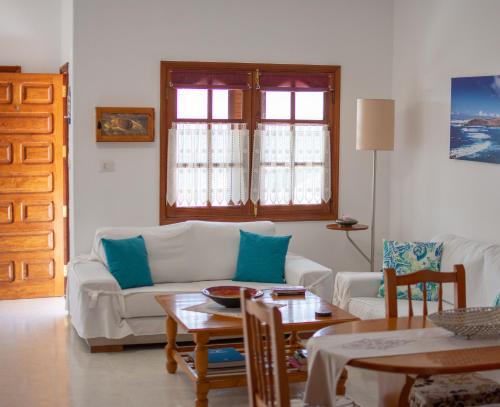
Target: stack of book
[[290, 290], [299, 360], [225, 357]]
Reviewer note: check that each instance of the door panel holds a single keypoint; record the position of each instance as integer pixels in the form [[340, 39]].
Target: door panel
[[37, 93], [31, 186], [25, 123], [5, 92], [36, 153]]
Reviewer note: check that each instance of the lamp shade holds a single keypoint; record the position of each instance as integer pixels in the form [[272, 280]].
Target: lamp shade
[[375, 124]]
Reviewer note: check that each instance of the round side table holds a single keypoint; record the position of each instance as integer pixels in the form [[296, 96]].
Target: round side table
[[347, 229]]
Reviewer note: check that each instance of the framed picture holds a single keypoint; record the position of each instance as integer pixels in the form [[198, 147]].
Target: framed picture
[[475, 119], [125, 123]]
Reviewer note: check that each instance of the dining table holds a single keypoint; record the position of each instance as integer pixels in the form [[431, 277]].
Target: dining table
[[412, 347]]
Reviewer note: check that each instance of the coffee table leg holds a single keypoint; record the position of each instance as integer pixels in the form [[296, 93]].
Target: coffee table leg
[[201, 365], [294, 339], [171, 347]]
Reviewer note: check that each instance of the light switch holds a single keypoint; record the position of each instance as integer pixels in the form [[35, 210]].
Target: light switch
[[107, 166]]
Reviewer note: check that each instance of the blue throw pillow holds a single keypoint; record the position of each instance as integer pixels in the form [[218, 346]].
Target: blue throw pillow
[[261, 258], [128, 261]]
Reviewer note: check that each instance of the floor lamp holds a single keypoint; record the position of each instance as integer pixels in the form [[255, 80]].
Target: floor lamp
[[374, 132]]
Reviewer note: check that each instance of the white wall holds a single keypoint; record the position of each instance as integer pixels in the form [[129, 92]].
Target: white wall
[[118, 49], [30, 34], [433, 42]]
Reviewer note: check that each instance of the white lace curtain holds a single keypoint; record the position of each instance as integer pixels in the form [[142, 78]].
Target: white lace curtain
[[207, 163], [291, 163]]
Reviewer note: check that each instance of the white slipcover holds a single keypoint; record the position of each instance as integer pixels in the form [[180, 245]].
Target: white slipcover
[[188, 251], [207, 254], [356, 292]]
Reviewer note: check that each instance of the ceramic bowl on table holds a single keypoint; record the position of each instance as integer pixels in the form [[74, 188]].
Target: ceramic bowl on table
[[229, 295]]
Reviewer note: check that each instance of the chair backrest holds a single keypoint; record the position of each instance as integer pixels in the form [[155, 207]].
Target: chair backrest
[[267, 379], [392, 281]]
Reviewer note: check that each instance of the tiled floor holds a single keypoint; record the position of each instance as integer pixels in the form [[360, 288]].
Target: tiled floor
[[44, 363]]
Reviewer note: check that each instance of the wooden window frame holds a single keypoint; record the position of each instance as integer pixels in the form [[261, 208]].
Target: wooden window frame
[[251, 113]]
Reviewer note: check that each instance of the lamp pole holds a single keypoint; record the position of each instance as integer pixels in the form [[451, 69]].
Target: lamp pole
[[374, 184]]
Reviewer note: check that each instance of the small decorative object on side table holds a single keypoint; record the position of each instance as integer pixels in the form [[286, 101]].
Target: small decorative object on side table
[[347, 224]]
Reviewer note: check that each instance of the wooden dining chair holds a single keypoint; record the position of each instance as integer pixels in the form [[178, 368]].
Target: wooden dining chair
[[444, 390], [266, 365], [392, 281], [267, 379]]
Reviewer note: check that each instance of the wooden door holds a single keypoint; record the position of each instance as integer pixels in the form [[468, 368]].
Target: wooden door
[[31, 185]]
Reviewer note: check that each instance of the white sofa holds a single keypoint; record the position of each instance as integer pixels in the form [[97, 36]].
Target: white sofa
[[183, 257], [356, 292]]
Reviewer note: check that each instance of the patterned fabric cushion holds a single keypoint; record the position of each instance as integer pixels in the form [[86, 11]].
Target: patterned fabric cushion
[[408, 257], [454, 391], [496, 301]]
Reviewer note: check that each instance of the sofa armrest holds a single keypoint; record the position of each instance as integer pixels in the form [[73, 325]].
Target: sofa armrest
[[92, 274], [94, 300], [307, 273], [351, 284]]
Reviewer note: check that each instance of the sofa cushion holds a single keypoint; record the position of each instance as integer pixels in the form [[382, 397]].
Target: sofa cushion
[[167, 247], [261, 258], [140, 302], [374, 307], [187, 251], [128, 261], [480, 279], [408, 257], [213, 247]]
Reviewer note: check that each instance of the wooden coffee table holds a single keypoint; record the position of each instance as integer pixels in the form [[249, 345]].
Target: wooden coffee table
[[298, 314]]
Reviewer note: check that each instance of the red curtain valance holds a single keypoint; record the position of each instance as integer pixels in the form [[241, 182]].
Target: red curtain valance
[[294, 81], [196, 79]]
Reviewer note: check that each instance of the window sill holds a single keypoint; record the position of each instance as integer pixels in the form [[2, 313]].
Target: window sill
[[274, 218]]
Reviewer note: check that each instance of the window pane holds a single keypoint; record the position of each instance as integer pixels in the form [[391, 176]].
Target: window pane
[[309, 105], [276, 141], [192, 187], [220, 104], [307, 188], [275, 185], [276, 105], [227, 104], [226, 186], [309, 143], [192, 103]]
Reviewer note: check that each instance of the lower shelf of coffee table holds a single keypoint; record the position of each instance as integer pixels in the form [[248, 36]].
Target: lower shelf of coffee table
[[229, 377]]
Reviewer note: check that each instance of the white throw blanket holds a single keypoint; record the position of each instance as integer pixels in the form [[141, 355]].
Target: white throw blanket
[[328, 355]]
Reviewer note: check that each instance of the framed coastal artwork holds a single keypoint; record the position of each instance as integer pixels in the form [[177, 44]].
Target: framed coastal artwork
[[124, 124], [475, 119]]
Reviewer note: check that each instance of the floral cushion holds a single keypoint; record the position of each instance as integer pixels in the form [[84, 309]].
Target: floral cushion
[[453, 391], [408, 257], [496, 301]]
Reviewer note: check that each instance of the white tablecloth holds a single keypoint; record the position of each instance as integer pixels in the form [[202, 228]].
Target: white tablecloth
[[328, 355]]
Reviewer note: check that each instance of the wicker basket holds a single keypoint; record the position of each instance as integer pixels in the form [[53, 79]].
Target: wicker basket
[[469, 322]]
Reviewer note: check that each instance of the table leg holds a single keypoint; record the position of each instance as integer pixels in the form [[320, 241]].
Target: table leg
[[341, 383], [171, 347], [405, 393], [390, 386], [201, 365]]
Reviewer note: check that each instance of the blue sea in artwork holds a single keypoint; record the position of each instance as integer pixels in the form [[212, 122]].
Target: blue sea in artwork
[[475, 119], [476, 143]]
